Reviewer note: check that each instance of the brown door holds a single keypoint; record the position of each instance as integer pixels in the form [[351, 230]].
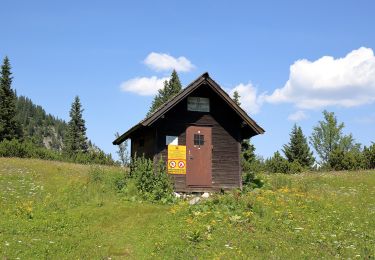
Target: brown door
[[199, 156]]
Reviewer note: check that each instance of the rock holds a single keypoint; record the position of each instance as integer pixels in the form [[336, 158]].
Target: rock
[[177, 195], [205, 195], [194, 200]]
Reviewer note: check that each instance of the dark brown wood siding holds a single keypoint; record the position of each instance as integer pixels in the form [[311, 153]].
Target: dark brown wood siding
[[143, 143], [226, 131]]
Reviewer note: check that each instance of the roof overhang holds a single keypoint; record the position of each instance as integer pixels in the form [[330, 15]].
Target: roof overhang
[[204, 78]]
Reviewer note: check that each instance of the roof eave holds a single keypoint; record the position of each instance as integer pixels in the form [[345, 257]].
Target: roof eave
[[127, 134], [257, 129]]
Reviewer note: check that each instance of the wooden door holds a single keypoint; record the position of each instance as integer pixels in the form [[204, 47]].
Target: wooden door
[[199, 156]]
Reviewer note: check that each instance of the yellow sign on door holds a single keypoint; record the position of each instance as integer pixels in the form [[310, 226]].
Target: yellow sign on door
[[176, 159]]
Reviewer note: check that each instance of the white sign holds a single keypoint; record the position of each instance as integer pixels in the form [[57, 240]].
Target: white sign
[[173, 140]]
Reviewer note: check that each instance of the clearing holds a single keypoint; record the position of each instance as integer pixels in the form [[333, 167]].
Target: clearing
[[63, 211]]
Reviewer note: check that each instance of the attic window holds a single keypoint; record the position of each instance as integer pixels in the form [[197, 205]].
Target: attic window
[[198, 104]]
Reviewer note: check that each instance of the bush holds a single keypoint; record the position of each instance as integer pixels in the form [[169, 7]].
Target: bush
[[16, 148], [91, 157], [340, 160], [295, 167], [152, 183], [369, 157], [277, 164], [28, 149]]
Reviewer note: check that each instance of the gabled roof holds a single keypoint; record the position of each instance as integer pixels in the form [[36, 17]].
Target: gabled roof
[[204, 78]]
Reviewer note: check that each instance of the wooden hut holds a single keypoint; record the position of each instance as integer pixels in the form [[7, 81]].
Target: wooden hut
[[198, 133]]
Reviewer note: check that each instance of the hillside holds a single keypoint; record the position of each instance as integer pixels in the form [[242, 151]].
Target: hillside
[[44, 129], [68, 211], [41, 127]]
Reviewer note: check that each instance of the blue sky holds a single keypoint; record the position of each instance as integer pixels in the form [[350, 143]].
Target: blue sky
[[100, 49]]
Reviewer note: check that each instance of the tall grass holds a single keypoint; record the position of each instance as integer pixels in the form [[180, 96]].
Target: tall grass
[[65, 211]]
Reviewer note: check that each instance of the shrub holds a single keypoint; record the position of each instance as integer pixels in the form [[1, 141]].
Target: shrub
[[28, 149], [369, 156], [277, 164], [341, 160], [152, 183], [119, 179], [295, 167]]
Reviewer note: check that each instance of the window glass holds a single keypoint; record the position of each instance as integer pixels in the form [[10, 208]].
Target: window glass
[[198, 139], [198, 104]]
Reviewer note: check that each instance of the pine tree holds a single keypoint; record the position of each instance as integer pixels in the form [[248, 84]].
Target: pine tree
[[75, 139], [236, 97], [298, 149], [9, 126], [170, 89], [247, 155]]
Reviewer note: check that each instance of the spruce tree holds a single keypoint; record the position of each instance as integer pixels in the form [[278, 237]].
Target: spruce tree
[[9, 126], [75, 139], [171, 88], [174, 85], [298, 149], [247, 155], [236, 98]]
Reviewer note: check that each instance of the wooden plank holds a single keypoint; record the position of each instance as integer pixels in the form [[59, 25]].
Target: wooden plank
[[225, 138]]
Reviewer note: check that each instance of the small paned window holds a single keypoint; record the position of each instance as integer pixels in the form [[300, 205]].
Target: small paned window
[[198, 139], [198, 104]]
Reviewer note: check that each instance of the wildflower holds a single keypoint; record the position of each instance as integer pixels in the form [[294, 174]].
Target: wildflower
[[248, 214], [235, 218], [196, 213]]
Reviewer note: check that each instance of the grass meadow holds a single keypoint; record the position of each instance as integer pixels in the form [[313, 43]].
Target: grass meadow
[[55, 210]]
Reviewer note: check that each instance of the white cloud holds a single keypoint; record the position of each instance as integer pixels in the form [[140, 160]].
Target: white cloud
[[163, 62], [346, 82], [144, 86], [297, 116], [249, 99]]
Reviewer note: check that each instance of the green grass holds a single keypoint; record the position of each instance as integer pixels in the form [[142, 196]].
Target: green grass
[[68, 211]]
